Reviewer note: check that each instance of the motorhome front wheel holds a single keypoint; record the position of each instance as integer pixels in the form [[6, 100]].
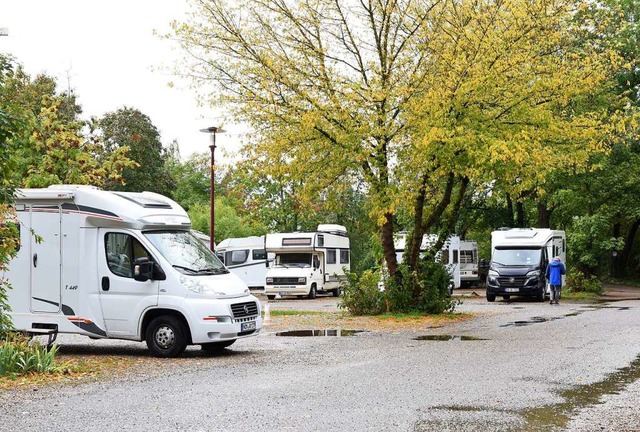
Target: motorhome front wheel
[[166, 336]]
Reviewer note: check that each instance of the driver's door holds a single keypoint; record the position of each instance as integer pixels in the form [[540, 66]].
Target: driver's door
[[123, 299]]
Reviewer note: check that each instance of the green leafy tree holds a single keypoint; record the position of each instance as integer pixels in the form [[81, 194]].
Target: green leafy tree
[[414, 100], [129, 128]]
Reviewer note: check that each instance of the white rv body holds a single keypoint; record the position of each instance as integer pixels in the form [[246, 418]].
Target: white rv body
[[449, 255], [307, 263], [247, 258], [87, 274], [469, 274], [519, 257]]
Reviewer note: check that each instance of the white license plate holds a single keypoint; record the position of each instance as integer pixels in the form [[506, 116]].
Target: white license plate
[[511, 289], [251, 325]]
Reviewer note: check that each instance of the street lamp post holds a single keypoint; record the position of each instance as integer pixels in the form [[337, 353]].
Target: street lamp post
[[212, 130]]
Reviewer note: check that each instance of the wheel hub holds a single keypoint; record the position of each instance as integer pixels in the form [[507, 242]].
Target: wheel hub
[[165, 337]]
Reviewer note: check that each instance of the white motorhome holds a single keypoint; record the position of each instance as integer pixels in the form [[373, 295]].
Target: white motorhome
[[449, 254], [126, 266], [247, 258], [469, 274], [307, 263], [519, 258]]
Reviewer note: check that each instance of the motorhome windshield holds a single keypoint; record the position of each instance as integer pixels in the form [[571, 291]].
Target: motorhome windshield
[[185, 252], [516, 256], [294, 260]]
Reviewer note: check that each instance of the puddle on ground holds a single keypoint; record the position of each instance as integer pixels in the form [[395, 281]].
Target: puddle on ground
[[556, 417], [582, 396], [533, 320], [447, 338], [312, 333]]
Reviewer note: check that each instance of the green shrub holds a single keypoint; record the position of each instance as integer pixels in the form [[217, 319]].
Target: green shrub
[[361, 295], [579, 282], [425, 290], [19, 355]]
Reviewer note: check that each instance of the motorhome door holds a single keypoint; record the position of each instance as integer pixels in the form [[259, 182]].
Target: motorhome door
[[122, 298], [46, 257]]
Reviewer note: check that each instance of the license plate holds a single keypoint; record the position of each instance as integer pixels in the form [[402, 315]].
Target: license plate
[[251, 325], [511, 289]]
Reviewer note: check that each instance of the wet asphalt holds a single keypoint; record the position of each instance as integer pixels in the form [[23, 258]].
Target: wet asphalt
[[519, 365]]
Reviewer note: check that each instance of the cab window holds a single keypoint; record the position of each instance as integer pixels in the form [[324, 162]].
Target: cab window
[[122, 250]]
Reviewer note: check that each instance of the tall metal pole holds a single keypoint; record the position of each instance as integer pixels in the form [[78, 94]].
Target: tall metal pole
[[213, 130]]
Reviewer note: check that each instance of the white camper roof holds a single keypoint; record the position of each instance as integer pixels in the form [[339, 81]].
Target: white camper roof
[[524, 236], [242, 242], [400, 240], [332, 229], [137, 210]]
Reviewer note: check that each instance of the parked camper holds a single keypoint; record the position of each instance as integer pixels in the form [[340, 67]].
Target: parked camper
[[247, 258], [519, 258], [307, 263], [126, 266], [449, 254], [469, 271]]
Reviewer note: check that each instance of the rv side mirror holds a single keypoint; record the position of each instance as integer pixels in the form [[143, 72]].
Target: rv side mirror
[[142, 269]]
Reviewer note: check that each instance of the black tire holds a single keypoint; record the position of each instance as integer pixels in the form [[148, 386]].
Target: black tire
[[542, 294], [166, 336], [271, 297], [506, 297], [336, 292], [216, 346], [312, 292], [491, 297]]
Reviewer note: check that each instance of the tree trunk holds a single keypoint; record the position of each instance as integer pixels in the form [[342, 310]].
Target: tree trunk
[[510, 210], [520, 214], [543, 215], [388, 248]]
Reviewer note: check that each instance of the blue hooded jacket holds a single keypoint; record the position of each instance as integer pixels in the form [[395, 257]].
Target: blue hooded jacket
[[555, 270]]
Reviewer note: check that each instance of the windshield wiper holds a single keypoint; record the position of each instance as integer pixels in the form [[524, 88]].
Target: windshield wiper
[[190, 270], [213, 271]]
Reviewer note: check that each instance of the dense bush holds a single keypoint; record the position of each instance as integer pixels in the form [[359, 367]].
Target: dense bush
[[579, 282], [361, 294], [19, 355], [425, 291]]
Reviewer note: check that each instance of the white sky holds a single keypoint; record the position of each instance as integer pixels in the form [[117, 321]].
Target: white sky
[[106, 52]]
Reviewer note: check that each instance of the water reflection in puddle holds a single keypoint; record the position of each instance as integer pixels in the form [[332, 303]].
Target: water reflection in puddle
[[313, 333], [447, 338]]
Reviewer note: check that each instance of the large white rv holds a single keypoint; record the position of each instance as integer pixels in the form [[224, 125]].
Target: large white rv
[[247, 258], [519, 258], [307, 263], [449, 254], [126, 266]]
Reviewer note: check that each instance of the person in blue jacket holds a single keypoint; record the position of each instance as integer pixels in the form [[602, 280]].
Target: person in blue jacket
[[554, 273]]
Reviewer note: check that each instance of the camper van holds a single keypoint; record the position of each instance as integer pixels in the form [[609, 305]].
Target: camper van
[[469, 271], [307, 263], [122, 265], [247, 258], [449, 254], [519, 259]]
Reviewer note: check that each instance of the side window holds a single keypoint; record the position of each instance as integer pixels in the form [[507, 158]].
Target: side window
[[122, 250], [237, 256], [455, 256], [344, 256], [259, 254], [320, 240], [331, 256]]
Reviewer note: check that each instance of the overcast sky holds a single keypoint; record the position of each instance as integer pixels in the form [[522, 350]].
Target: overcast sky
[[106, 52]]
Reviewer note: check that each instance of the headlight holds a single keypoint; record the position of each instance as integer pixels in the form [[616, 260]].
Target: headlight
[[269, 281], [493, 273], [197, 287], [533, 273], [302, 280]]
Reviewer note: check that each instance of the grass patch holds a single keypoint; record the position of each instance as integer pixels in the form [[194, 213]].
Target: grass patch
[[580, 295], [294, 313]]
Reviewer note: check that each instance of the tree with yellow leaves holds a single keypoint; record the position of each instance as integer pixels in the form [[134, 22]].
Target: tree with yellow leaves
[[415, 100]]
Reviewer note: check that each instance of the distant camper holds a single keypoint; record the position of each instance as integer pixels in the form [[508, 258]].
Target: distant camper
[[307, 263], [122, 265], [469, 265], [247, 258], [519, 259]]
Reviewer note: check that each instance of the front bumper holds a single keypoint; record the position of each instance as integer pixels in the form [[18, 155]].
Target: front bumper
[[503, 286], [286, 289]]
